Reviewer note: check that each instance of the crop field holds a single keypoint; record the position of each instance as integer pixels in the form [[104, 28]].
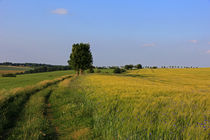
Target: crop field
[[153, 104], [9, 71], [18, 68], [138, 104], [12, 69]]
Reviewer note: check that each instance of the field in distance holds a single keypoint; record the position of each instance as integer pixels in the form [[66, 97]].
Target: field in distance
[[12, 69]]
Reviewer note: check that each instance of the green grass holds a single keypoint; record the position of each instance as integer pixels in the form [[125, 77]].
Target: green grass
[[30, 79], [104, 70], [12, 102], [32, 123], [72, 113]]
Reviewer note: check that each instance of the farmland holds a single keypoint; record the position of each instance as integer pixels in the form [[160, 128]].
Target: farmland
[[29, 79], [138, 104], [12, 69]]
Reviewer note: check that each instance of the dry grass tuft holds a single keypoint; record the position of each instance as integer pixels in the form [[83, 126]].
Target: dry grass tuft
[[76, 135]]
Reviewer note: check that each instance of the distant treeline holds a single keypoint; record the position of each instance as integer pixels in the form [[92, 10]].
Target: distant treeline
[[127, 67], [46, 69], [139, 66], [169, 67], [26, 64]]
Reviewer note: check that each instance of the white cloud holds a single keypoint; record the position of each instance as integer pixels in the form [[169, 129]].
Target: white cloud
[[149, 45], [60, 11], [194, 41], [208, 51]]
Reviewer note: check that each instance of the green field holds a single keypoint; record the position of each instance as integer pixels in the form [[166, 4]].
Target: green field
[[138, 104], [29, 79]]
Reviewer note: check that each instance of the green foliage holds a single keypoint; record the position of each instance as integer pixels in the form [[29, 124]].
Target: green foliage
[[91, 70], [138, 66], [118, 70], [129, 67], [98, 71], [80, 57], [47, 69], [9, 75]]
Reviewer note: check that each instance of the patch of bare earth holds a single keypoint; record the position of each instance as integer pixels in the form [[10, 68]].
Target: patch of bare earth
[[76, 135]]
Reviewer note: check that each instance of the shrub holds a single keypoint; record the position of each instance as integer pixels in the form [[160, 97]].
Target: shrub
[[123, 70], [118, 70], [9, 75], [98, 71], [90, 70], [138, 66], [129, 67]]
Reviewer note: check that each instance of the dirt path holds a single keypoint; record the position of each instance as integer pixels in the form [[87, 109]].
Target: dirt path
[[53, 135]]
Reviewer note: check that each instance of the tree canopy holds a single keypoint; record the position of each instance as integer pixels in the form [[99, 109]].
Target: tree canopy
[[80, 57]]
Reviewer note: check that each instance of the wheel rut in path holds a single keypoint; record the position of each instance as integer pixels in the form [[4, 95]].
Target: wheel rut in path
[[53, 130], [14, 117]]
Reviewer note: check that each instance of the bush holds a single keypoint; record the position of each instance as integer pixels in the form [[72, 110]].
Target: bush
[[90, 70], [123, 70], [138, 66], [98, 71], [118, 70], [9, 75]]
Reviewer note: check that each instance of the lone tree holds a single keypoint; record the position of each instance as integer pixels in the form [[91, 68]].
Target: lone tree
[[80, 58]]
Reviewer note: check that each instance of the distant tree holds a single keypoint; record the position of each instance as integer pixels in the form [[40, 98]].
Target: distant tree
[[118, 70], [138, 66], [128, 67], [80, 57]]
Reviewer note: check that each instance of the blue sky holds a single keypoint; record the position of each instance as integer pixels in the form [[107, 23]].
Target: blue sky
[[150, 32]]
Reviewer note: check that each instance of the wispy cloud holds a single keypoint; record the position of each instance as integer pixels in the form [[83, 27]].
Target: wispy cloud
[[149, 45], [208, 52], [193, 41], [60, 11]]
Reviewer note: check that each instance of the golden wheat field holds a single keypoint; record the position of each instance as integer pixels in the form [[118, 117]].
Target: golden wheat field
[[151, 103], [9, 71]]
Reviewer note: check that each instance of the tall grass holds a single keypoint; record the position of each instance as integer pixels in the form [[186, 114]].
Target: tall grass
[[32, 123], [12, 102], [174, 105], [72, 113]]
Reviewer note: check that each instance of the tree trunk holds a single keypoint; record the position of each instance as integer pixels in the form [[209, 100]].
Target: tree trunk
[[77, 72], [81, 72]]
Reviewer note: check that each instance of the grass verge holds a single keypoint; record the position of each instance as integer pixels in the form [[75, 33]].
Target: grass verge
[[72, 113], [33, 123], [12, 102]]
